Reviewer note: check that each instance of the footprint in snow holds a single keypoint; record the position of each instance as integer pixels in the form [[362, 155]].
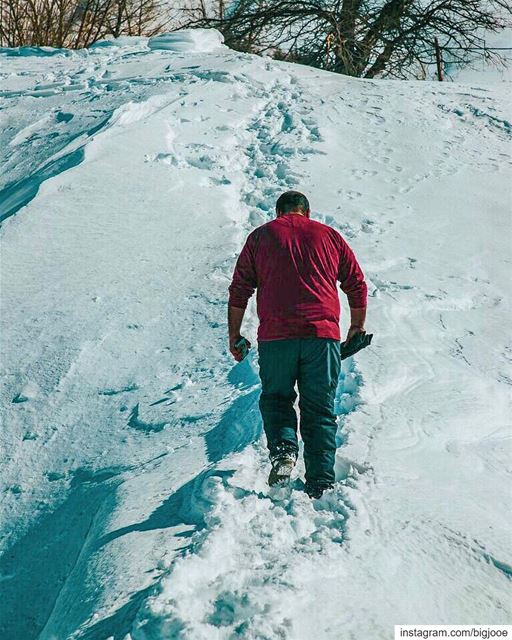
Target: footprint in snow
[[136, 422], [201, 162], [350, 195], [19, 398], [391, 285], [53, 476], [164, 158], [115, 392], [30, 391], [363, 173], [16, 489], [370, 226]]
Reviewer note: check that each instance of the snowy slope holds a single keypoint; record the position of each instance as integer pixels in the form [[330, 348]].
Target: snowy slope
[[133, 470]]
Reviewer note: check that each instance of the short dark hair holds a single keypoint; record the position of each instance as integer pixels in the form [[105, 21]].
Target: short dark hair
[[292, 201]]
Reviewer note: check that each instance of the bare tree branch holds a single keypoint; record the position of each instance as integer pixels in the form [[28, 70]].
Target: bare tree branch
[[367, 38]]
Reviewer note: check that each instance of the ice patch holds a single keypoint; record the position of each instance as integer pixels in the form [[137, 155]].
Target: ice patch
[[191, 40]]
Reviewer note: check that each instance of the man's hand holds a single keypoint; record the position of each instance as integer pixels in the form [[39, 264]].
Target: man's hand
[[236, 353], [357, 318], [353, 330], [235, 317]]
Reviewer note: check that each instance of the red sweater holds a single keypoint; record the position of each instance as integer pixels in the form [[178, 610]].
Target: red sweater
[[295, 262]]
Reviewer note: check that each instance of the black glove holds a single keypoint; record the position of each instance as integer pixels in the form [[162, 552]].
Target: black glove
[[357, 342]]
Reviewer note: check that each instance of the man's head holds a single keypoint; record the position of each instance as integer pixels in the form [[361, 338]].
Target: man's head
[[292, 202]]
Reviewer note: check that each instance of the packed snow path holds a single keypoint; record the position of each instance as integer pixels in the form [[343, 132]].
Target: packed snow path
[[133, 472]]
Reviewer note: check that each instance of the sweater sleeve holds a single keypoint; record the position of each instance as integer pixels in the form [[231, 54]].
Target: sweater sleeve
[[244, 280], [351, 278]]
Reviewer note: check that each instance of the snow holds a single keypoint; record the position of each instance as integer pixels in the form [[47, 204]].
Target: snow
[[192, 40], [133, 470], [38, 52]]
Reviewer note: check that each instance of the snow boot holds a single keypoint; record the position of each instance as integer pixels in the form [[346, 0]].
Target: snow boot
[[282, 468], [317, 490]]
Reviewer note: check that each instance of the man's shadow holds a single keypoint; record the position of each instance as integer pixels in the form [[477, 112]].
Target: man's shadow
[[239, 426], [241, 422]]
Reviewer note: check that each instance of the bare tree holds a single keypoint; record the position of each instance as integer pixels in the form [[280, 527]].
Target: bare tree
[[364, 38], [198, 12], [55, 23], [78, 23]]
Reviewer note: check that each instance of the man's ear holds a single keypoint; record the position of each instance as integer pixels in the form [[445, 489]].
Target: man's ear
[[307, 213]]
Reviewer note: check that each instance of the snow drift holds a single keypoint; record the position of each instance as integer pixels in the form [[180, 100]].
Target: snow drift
[[133, 470], [192, 40]]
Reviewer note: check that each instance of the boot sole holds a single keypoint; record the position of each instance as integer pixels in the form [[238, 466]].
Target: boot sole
[[279, 481]]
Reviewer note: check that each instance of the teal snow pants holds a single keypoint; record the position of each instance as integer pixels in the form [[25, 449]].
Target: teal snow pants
[[314, 365]]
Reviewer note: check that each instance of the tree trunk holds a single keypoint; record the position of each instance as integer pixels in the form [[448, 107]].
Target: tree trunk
[[381, 61], [345, 48], [386, 21]]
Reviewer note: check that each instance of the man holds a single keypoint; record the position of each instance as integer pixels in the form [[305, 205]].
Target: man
[[295, 263]]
